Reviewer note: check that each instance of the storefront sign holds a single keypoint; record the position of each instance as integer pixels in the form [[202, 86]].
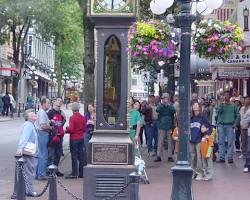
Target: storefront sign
[[234, 59], [233, 73]]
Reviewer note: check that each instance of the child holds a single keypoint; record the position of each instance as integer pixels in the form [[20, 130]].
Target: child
[[216, 146], [175, 138], [207, 152]]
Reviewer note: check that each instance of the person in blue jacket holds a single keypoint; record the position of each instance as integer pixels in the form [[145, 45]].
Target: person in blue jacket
[[197, 119]]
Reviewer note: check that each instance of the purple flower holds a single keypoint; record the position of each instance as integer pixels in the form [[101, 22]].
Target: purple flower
[[209, 50], [226, 40]]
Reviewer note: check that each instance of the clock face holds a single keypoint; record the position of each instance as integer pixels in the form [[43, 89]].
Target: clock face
[[112, 5]]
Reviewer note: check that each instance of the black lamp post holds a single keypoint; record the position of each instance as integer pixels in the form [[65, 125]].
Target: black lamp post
[[52, 76], [246, 16], [182, 171], [65, 78], [33, 77], [74, 81]]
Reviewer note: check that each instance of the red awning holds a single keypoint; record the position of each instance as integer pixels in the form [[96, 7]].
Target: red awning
[[7, 68]]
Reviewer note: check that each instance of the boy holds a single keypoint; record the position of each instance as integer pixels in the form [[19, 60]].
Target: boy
[[207, 152]]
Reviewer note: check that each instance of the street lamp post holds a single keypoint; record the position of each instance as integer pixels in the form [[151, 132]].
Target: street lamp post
[[74, 81], [52, 76], [182, 171], [33, 77], [65, 78]]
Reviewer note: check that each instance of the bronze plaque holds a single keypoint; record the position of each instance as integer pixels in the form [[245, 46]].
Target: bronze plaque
[[109, 154]]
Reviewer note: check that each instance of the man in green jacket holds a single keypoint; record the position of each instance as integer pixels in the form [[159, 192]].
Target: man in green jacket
[[166, 113], [228, 115]]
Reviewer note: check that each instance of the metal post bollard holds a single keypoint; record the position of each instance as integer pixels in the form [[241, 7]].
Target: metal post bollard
[[13, 196], [21, 188], [19, 110], [134, 179], [52, 182], [35, 108]]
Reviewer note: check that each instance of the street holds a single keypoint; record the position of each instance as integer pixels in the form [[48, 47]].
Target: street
[[229, 181]]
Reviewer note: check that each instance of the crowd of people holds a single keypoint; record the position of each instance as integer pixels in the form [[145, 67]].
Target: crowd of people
[[218, 129], [45, 131], [7, 103]]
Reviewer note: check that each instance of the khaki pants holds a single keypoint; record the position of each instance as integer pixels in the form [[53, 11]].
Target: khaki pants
[[162, 134], [195, 156], [208, 167]]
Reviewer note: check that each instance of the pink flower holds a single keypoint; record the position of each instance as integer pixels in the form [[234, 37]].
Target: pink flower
[[209, 50], [226, 40]]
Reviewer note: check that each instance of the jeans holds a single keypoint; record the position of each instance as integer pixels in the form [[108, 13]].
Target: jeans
[[149, 133], [78, 154], [5, 109], [43, 138], [87, 138], [244, 141], [55, 154], [162, 134], [226, 131], [247, 164], [195, 158], [207, 167]]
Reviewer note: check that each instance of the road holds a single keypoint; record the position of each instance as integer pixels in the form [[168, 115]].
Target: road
[[229, 182]]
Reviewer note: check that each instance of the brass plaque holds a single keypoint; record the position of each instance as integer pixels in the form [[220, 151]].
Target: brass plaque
[[109, 154]]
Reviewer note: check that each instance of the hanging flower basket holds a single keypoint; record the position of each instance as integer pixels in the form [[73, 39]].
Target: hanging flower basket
[[215, 38], [150, 42]]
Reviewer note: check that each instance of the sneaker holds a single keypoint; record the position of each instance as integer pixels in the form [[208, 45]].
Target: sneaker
[[207, 178], [230, 161], [238, 150], [220, 161], [199, 178], [158, 159], [242, 156], [59, 173], [80, 176], [152, 153], [246, 170], [170, 159]]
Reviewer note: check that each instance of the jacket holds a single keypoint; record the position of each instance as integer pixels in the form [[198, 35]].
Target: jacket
[[228, 114], [77, 126], [166, 116], [195, 125], [28, 134]]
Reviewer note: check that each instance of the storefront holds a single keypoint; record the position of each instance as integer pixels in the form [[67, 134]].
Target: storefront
[[233, 74]]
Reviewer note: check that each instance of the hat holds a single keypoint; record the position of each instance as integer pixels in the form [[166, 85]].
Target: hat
[[165, 95]]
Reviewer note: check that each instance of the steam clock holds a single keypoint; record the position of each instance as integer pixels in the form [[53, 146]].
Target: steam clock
[[110, 151]]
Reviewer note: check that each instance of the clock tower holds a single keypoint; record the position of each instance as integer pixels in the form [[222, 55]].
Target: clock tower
[[110, 151]]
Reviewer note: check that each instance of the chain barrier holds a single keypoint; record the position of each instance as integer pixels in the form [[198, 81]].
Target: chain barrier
[[67, 190], [119, 192], [26, 183]]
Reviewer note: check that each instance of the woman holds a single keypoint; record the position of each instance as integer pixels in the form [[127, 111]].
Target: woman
[[76, 129], [135, 120], [90, 117], [28, 136], [197, 119]]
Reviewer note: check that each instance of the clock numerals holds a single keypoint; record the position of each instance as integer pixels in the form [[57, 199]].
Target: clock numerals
[[113, 6]]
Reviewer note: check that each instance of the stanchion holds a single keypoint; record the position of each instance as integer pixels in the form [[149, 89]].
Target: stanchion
[[35, 108], [21, 188], [13, 196], [52, 182], [19, 110], [134, 179]]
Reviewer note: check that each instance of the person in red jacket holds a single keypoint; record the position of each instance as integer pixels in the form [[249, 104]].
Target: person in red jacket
[[76, 129]]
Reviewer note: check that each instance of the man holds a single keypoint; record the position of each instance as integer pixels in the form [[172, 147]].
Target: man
[[6, 104], [244, 127], [166, 113], [246, 124], [58, 119], [1, 104], [29, 101], [228, 116], [43, 126], [12, 103]]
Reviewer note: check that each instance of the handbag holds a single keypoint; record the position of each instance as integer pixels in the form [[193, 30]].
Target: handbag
[[29, 149]]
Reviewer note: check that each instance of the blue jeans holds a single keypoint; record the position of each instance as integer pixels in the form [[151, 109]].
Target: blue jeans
[[248, 153], [152, 132], [87, 138], [78, 154], [226, 131], [43, 138]]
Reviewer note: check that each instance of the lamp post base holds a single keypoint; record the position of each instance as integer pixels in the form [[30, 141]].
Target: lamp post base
[[182, 181]]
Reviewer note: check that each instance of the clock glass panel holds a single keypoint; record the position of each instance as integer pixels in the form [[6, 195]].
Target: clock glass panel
[[112, 5]]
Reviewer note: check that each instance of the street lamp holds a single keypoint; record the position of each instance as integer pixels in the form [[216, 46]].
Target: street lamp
[[182, 172], [33, 77], [74, 81], [246, 16], [52, 76], [65, 78]]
